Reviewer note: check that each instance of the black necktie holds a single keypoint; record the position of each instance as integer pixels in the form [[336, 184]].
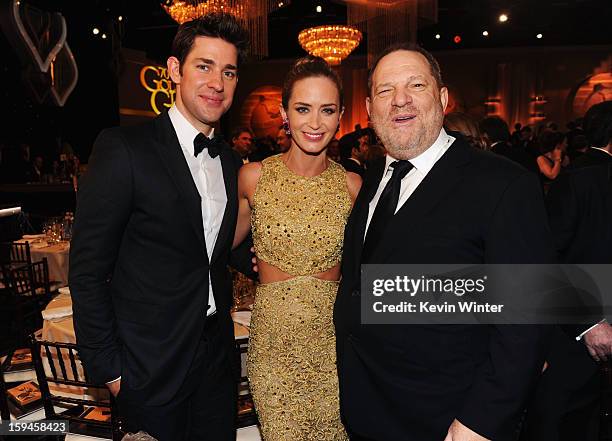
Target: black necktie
[[385, 209], [202, 142]]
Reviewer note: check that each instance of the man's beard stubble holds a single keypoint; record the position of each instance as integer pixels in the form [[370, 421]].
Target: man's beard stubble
[[410, 143]]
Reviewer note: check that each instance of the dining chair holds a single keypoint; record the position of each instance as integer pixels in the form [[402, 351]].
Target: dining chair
[[246, 408], [64, 373], [15, 252]]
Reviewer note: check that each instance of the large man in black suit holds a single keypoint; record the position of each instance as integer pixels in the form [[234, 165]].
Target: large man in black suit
[[155, 221], [450, 203], [566, 405]]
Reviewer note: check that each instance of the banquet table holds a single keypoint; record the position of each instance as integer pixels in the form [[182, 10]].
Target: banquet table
[[57, 257], [59, 327]]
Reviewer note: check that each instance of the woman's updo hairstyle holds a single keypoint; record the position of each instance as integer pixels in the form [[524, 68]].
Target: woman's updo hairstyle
[[308, 67]]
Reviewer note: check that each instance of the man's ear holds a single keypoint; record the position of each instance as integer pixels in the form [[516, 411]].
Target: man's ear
[[368, 102], [174, 69], [444, 97]]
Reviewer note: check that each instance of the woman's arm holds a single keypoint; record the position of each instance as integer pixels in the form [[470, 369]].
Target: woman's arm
[[545, 167], [353, 182], [248, 176]]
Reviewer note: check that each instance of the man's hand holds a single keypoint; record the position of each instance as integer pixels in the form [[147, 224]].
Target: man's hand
[[459, 432], [599, 341], [114, 387]]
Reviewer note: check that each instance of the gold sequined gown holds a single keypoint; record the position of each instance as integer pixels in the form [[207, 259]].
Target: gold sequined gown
[[298, 226]]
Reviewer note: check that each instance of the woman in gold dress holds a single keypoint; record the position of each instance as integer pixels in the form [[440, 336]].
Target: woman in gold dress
[[296, 205]]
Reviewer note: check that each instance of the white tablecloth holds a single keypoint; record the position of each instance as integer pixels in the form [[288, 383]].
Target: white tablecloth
[[57, 258], [60, 328]]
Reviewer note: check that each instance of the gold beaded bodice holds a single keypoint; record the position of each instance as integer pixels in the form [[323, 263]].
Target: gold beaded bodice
[[298, 221]]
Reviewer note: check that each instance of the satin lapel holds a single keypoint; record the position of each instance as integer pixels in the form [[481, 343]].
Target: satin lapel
[[362, 204], [442, 178], [174, 160], [230, 179]]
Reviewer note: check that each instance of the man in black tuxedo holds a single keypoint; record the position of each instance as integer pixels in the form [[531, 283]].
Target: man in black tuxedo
[[353, 152], [242, 143], [566, 405], [447, 203], [497, 135], [155, 221]]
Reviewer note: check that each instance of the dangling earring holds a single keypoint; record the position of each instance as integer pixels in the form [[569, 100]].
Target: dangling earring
[[286, 127]]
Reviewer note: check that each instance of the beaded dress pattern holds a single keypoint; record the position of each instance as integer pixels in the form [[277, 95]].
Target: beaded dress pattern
[[298, 226]]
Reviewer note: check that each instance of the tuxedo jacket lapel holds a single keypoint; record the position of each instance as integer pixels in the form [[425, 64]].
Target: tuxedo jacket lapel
[[174, 160], [231, 190], [441, 179], [360, 211]]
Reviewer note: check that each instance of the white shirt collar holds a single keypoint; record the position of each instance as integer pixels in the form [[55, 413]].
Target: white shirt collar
[[426, 160], [185, 132], [603, 150]]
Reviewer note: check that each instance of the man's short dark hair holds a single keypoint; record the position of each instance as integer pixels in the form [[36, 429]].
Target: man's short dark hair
[[598, 124], [434, 67], [240, 130], [216, 25], [495, 128]]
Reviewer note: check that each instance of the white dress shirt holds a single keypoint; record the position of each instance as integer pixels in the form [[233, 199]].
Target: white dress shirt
[[208, 177], [422, 164]]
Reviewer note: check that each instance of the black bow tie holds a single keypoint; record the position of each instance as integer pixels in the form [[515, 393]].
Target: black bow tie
[[202, 142]]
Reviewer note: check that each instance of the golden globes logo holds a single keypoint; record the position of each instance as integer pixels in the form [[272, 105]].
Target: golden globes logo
[[156, 80]]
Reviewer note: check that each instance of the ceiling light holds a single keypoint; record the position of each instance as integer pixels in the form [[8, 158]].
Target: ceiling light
[[539, 36], [457, 39], [503, 18], [437, 36], [120, 18], [96, 31], [103, 36], [331, 42], [485, 33], [319, 8]]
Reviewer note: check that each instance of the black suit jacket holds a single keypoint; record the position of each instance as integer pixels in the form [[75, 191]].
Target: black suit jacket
[[580, 210], [351, 166], [580, 213], [139, 269], [410, 382]]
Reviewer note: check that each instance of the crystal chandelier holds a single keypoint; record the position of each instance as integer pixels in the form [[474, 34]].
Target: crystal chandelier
[[182, 11], [331, 42], [253, 14]]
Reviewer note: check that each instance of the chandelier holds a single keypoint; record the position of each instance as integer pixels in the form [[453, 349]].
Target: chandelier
[[253, 14], [333, 43], [182, 11]]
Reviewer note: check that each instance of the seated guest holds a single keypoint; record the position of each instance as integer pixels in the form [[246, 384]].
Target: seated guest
[[242, 141], [465, 124]]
